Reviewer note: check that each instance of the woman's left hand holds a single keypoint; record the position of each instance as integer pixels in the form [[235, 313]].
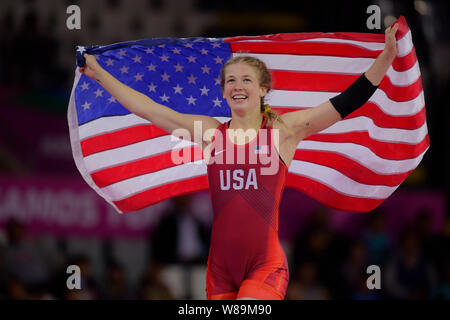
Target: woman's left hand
[[390, 48]]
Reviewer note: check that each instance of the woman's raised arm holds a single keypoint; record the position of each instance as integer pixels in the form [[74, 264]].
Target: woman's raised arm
[[310, 121], [141, 105]]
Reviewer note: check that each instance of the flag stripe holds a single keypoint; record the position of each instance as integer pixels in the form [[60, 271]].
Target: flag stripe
[[135, 185], [357, 152], [125, 171], [348, 166], [120, 138], [161, 193], [308, 99], [307, 81], [333, 199], [305, 48], [391, 151]]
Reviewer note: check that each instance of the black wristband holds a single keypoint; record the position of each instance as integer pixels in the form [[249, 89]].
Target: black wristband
[[354, 96]]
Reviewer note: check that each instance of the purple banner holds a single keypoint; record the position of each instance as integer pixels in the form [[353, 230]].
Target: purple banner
[[67, 206]]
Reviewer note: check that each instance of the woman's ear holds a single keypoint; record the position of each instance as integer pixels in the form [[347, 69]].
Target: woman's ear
[[263, 91]]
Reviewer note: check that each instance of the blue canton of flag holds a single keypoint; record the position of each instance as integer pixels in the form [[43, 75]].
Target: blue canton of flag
[[182, 74]]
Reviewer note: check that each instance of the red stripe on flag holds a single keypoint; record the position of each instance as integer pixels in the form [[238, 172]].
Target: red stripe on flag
[[400, 94], [384, 120], [161, 193], [329, 196], [326, 82], [305, 48], [106, 177], [383, 149], [350, 168], [120, 138], [406, 62], [379, 118], [311, 81], [364, 37]]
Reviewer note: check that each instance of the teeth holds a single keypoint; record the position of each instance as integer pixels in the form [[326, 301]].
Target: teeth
[[239, 97]]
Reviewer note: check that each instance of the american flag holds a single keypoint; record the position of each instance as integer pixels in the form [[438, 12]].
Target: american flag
[[353, 165]]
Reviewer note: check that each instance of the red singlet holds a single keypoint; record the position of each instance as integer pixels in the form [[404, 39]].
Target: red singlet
[[246, 258]]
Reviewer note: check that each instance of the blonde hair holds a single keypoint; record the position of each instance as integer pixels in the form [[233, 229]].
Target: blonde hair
[[265, 80]]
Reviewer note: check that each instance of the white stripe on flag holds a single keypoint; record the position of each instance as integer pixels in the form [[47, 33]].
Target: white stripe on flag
[[339, 182], [132, 152], [378, 133], [372, 46], [129, 187], [357, 152]]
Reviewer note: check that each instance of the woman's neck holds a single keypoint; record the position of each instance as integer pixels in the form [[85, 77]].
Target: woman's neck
[[248, 121]]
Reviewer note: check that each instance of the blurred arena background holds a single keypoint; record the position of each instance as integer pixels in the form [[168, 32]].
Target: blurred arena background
[[50, 218]]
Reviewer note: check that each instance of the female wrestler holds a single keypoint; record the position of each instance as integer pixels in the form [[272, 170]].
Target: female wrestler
[[246, 260]]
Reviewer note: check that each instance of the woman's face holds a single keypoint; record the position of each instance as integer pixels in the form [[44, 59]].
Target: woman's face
[[241, 89]]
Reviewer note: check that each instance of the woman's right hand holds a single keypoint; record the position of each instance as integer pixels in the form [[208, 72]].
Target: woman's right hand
[[92, 69]]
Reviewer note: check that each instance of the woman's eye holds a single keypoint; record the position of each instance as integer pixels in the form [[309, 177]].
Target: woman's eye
[[247, 80]]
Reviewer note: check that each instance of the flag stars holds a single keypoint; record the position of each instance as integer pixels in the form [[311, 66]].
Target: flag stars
[[178, 68], [86, 106], [164, 98], [84, 86], [191, 59], [152, 87], [192, 79], [112, 99], [217, 102], [176, 51], [137, 59], [204, 51], [149, 51], [165, 77], [205, 69], [218, 60], [151, 67], [109, 62], [164, 58], [216, 45], [191, 100], [204, 91], [124, 70], [162, 46], [138, 77], [98, 93], [81, 49], [188, 45], [217, 81], [178, 89], [122, 52]]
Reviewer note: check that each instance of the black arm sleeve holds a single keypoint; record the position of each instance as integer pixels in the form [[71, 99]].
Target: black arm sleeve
[[354, 96]]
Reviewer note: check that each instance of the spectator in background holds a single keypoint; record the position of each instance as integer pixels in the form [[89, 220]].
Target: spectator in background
[[375, 238], [115, 284], [353, 267], [409, 275], [319, 244], [181, 238], [23, 259], [305, 284], [151, 286]]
